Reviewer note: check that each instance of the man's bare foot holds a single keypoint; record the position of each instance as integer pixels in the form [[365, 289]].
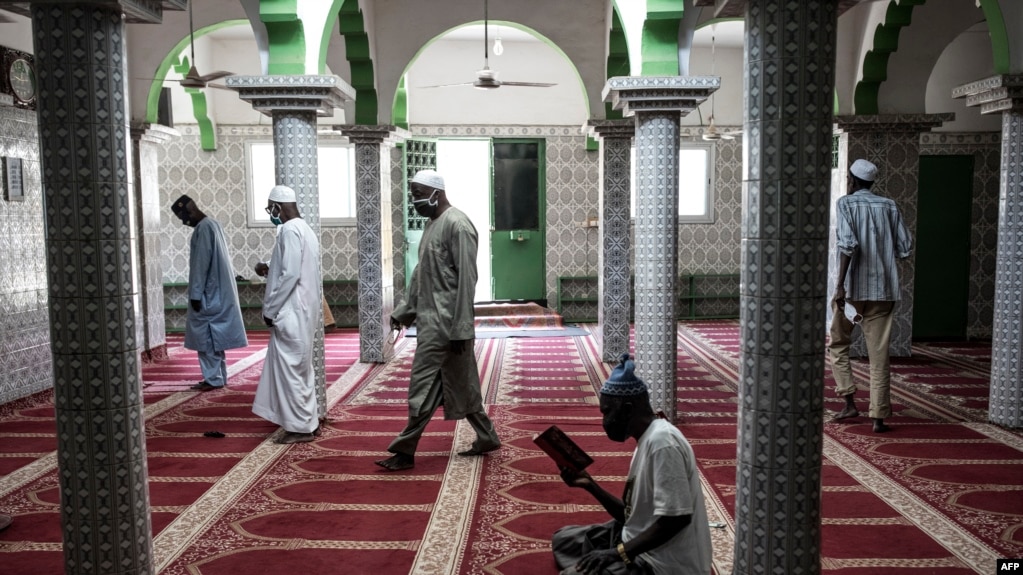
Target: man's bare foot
[[397, 462], [849, 411], [880, 427]]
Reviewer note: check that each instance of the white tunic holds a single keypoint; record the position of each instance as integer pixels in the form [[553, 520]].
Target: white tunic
[[287, 388]]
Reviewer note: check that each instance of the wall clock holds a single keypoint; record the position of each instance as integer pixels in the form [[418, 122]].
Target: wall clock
[[21, 76]]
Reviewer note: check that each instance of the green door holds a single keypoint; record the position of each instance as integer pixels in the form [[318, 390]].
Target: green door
[[942, 246], [419, 155], [517, 237]]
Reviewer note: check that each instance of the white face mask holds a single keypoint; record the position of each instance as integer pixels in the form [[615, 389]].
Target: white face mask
[[427, 207]]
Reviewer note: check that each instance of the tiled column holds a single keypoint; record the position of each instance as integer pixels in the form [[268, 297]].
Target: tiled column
[[892, 143], [1004, 95], [294, 103], [790, 72], [658, 104], [91, 244], [146, 141], [373, 154], [613, 284]]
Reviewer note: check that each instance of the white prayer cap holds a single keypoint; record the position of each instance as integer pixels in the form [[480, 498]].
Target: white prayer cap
[[429, 178], [282, 194], [863, 170]]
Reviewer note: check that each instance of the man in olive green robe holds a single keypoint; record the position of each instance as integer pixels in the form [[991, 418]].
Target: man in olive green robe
[[440, 302]]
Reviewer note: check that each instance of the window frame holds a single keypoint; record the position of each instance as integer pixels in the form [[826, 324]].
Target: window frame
[[709, 215], [255, 214]]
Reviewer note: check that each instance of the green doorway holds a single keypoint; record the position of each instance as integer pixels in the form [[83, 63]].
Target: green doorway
[[518, 215], [942, 244]]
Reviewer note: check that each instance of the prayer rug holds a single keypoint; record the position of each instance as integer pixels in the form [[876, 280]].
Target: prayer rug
[[506, 320], [183, 465], [937, 487]]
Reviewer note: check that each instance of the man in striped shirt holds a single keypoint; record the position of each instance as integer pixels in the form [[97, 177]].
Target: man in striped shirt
[[870, 236]]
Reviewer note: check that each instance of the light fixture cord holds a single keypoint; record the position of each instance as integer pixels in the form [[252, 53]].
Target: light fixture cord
[[191, 31]]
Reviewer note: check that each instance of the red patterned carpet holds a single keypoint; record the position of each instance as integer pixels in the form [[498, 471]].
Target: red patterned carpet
[[945, 485], [942, 494]]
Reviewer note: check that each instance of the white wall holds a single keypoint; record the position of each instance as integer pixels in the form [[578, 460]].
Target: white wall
[[452, 62], [17, 34], [966, 59]]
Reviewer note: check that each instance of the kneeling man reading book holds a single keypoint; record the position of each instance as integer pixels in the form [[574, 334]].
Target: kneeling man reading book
[[659, 525]]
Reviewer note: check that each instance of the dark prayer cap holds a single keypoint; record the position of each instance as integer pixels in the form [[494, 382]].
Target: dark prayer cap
[[181, 204]]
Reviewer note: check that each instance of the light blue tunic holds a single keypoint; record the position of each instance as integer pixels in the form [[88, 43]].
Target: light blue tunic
[[218, 324]]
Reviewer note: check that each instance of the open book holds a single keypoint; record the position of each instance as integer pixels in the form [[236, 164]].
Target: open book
[[562, 449]]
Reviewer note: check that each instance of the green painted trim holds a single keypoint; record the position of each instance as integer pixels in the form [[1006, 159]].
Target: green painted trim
[[400, 112], [395, 112], [357, 51], [285, 37], [207, 132], [999, 36], [659, 43], [153, 100], [200, 110], [328, 31], [875, 62], [617, 59]]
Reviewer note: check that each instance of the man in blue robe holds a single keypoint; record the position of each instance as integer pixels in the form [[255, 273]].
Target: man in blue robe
[[214, 321]]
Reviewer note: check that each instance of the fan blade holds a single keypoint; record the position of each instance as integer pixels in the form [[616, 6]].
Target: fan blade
[[214, 76], [219, 87], [528, 84], [447, 85]]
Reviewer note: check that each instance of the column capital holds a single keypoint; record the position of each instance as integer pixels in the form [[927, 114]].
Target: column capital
[[632, 94], [267, 94], [994, 95], [380, 134], [154, 133], [892, 122], [602, 129], [135, 11]]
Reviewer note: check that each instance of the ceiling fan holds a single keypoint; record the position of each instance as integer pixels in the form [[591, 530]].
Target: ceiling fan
[[486, 79], [712, 133], [193, 79]]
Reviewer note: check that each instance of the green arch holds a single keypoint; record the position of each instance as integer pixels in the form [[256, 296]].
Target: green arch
[[206, 133], [886, 41], [399, 107], [660, 38], [999, 35], [353, 29], [328, 29], [875, 61], [285, 37]]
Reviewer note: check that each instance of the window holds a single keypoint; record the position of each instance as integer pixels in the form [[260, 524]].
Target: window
[[336, 164], [695, 183]]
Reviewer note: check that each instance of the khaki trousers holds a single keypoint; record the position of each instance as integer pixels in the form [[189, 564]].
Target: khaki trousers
[[877, 334]]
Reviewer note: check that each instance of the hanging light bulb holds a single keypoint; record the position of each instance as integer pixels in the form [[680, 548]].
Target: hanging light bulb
[[498, 47]]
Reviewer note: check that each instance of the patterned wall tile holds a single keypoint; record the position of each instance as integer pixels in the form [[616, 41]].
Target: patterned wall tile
[[24, 318]]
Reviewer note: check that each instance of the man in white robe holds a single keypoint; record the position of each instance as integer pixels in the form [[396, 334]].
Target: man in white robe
[[440, 302], [291, 308], [213, 323]]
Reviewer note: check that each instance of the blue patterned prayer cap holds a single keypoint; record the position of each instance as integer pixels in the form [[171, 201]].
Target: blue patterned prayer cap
[[623, 382]]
